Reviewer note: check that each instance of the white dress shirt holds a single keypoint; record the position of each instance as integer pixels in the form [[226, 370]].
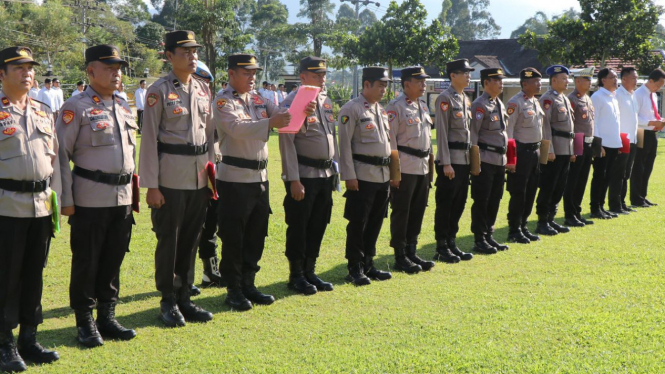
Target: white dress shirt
[[121, 94], [628, 117], [645, 112], [76, 92], [46, 97], [139, 98], [58, 98], [606, 121], [34, 93]]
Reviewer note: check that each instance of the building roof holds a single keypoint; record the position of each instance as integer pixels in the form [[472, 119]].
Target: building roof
[[507, 54], [616, 63]]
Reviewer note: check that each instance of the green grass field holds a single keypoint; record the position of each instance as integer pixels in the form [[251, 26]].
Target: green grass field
[[590, 301]]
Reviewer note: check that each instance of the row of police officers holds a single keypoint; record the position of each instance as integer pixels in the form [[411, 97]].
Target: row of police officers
[[383, 155]]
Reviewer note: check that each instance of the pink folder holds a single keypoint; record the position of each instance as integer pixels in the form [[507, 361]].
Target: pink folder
[[578, 144], [305, 95]]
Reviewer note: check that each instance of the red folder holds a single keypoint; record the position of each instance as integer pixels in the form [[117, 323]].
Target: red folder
[[625, 143], [210, 170], [511, 152], [136, 196]]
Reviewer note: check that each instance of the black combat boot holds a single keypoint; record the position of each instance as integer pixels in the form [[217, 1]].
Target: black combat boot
[[544, 227], [489, 238], [88, 335], [312, 278], [211, 275], [374, 273], [572, 221], [169, 312], [482, 246], [444, 254], [30, 350], [607, 213], [452, 245], [108, 326], [403, 263], [515, 235], [357, 274], [10, 361], [411, 254], [559, 228], [297, 280], [528, 234], [250, 291], [189, 310], [237, 300], [585, 221]]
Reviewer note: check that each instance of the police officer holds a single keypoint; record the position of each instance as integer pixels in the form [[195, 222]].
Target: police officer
[[583, 115], [28, 151], [452, 161], [558, 129], [243, 121], [97, 132], [309, 178], [525, 124], [410, 134], [364, 153], [176, 146], [488, 132]]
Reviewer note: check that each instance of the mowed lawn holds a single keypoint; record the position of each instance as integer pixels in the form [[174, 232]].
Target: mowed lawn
[[589, 301]]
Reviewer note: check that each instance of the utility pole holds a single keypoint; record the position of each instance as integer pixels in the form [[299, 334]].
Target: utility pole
[[357, 14], [85, 6]]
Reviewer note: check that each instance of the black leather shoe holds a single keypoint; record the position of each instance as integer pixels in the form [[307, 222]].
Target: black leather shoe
[[640, 205], [411, 254], [108, 326], [256, 297], [211, 275], [10, 360], [444, 254], [357, 275], [585, 221], [32, 351], [194, 291], [464, 256], [170, 314], [310, 275], [88, 335], [237, 300], [516, 236], [618, 212], [481, 246], [573, 222], [301, 285], [544, 228], [650, 203], [528, 234], [559, 228], [598, 214], [628, 209], [378, 275], [499, 247], [612, 215], [403, 263], [189, 310]]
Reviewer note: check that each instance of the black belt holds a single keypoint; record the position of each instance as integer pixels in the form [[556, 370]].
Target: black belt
[[24, 186], [459, 145], [312, 162], [563, 134], [182, 149], [527, 146], [413, 151], [245, 163], [492, 148], [372, 160], [101, 177]]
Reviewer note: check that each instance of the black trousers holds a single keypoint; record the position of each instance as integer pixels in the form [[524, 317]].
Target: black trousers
[[365, 210], [578, 177], [208, 242], [601, 177], [522, 185], [450, 198], [408, 203], [177, 225], [486, 191], [308, 218], [642, 168], [99, 240], [24, 245], [553, 180], [615, 182], [629, 172], [139, 119], [243, 211]]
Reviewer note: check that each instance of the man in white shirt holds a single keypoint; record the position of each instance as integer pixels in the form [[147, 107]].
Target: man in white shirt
[[34, 91], [624, 162], [58, 97], [139, 98], [281, 93], [606, 127], [80, 86], [647, 116], [121, 92], [45, 94]]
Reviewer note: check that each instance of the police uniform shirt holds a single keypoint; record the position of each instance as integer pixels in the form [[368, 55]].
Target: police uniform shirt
[[28, 149], [363, 129], [452, 125], [558, 116], [525, 119], [96, 135], [317, 139], [410, 126], [176, 113], [583, 113], [488, 127], [243, 126]]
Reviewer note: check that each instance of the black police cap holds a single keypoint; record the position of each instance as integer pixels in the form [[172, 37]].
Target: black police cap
[[180, 38], [16, 55], [376, 73], [491, 73], [528, 73], [246, 61], [414, 72], [108, 54], [313, 64], [458, 65]]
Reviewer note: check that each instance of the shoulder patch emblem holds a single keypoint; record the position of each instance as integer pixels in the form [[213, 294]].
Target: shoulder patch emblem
[[445, 106], [547, 104], [391, 115], [9, 131], [221, 103], [345, 120], [173, 96], [67, 116], [480, 112], [152, 99]]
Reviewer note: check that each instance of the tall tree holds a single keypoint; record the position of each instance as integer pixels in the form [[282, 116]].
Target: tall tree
[[321, 27], [538, 23], [268, 23], [469, 19]]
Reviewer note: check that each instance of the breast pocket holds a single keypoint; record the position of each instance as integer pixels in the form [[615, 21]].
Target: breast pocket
[[204, 111], [46, 135], [412, 127], [457, 121], [102, 133], [530, 117], [369, 133], [313, 128], [11, 143], [561, 114], [494, 121], [131, 128], [177, 119]]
